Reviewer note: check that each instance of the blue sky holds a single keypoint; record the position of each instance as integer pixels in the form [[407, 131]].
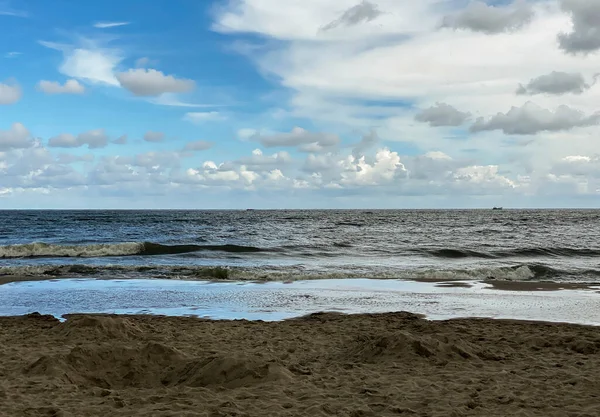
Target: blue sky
[[289, 103]]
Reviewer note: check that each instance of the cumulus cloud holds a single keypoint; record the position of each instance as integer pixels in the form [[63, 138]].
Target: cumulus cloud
[[482, 176], [199, 145], [54, 87], [154, 136], [585, 35], [302, 139], [211, 174], [17, 137], [363, 12], [150, 82], [556, 83], [92, 138], [491, 19], [386, 168], [442, 114], [108, 25], [531, 119], [9, 93], [201, 117], [89, 62], [260, 162]]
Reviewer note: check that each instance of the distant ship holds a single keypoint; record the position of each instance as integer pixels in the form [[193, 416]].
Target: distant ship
[[497, 208]]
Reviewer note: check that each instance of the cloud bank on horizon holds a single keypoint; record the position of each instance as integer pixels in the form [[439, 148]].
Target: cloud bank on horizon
[[300, 103]]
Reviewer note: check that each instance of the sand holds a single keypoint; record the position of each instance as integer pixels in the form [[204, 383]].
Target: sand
[[395, 364]]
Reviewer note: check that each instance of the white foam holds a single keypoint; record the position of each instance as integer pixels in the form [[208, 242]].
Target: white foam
[[39, 249], [522, 273]]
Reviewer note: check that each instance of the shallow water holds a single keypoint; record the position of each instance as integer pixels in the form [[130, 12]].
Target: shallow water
[[277, 300]]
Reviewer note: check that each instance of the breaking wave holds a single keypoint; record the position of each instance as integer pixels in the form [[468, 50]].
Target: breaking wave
[[47, 250], [531, 272]]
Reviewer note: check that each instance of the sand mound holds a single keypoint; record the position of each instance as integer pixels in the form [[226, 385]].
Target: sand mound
[[406, 346], [152, 366], [98, 327], [229, 372], [110, 367]]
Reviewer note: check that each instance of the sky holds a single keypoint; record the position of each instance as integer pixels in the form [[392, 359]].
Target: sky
[[234, 104]]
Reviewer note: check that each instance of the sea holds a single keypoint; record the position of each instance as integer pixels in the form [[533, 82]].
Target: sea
[[291, 245]]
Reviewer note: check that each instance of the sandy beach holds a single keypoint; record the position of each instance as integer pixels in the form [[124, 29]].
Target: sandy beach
[[322, 364]]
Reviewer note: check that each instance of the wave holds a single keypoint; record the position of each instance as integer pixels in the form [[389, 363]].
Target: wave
[[513, 253], [47, 250], [527, 272]]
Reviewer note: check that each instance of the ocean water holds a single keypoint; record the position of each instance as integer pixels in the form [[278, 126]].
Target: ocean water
[[519, 245]]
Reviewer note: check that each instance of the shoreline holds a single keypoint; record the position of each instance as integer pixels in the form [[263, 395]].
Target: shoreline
[[503, 285], [276, 301], [321, 364]]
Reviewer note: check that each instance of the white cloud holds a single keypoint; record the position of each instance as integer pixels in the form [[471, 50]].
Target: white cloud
[[367, 141], [301, 138], [491, 19], [150, 82], [584, 36], [157, 160], [9, 93], [246, 133], [17, 137], [201, 117], [54, 87], [260, 162], [88, 62], [66, 158], [199, 145], [387, 168], [442, 114], [340, 77], [94, 139], [121, 140], [587, 167], [305, 19], [12, 54], [383, 173], [107, 25], [361, 13], [170, 99], [557, 83], [154, 136], [64, 140], [531, 119]]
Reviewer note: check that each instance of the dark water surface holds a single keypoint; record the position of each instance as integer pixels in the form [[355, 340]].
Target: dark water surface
[[558, 245]]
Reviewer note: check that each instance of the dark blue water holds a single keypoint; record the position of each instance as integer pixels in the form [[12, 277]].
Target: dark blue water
[[557, 245]]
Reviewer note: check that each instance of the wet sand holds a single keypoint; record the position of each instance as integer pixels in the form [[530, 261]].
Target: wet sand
[[319, 365]]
